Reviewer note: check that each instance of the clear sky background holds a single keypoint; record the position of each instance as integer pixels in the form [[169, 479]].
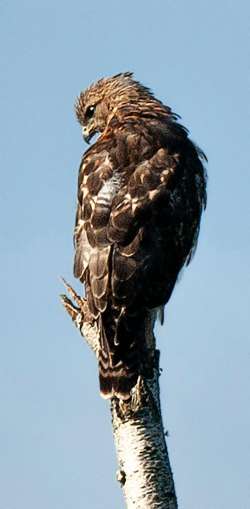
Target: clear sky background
[[56, 448]]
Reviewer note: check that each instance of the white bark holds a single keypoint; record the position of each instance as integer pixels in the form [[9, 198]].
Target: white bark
[[144, 470]]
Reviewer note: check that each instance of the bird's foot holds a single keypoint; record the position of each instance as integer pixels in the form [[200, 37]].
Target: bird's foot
[[77, 308]]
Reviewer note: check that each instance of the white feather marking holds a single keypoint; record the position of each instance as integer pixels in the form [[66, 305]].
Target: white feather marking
[[109, 190]]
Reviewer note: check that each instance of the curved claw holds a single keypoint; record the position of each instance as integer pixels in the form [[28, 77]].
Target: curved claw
[[76, 312], [75, 297], [77, 308], [72, 310]]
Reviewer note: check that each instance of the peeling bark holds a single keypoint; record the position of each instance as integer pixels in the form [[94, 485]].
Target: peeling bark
[[144, 470]]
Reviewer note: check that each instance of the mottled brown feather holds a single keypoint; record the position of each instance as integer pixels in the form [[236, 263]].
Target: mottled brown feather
[[141, 192]]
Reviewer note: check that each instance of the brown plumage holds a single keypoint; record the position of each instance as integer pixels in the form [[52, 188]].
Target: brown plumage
[[141, 191]]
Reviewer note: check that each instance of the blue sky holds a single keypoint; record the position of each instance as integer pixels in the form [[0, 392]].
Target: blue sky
[[55, 432]]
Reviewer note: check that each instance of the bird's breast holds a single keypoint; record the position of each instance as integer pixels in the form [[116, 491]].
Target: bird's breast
[[109, 190]]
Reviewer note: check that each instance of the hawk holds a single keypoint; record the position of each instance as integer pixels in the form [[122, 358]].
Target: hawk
[[141, 192]]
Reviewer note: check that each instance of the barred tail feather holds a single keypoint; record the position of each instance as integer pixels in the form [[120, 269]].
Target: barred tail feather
[[119, 365], [116, 381]]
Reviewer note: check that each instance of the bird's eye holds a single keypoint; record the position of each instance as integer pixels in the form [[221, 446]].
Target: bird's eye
[[90, 112]]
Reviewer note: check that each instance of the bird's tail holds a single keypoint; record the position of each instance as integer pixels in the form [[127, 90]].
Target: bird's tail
[[122, 353]]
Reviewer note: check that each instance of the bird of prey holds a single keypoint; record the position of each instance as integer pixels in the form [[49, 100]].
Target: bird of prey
[[141, 192]]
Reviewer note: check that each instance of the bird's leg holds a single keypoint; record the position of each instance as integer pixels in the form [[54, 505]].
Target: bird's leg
[[77, 308]]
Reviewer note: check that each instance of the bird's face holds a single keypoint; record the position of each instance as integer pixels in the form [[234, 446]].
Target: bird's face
[[97, 105], [92, 112], [89, 126]]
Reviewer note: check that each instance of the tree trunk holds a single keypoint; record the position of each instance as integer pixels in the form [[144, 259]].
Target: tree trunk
[[144, 470]]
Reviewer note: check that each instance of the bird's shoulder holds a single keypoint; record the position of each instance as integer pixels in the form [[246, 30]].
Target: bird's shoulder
[[127, 144]]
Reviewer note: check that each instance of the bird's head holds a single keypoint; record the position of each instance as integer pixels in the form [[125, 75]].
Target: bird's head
[[96, 105], [92, 110], [120, 94]]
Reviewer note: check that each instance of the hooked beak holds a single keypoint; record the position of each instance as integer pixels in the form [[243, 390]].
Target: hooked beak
[[86, 134]]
